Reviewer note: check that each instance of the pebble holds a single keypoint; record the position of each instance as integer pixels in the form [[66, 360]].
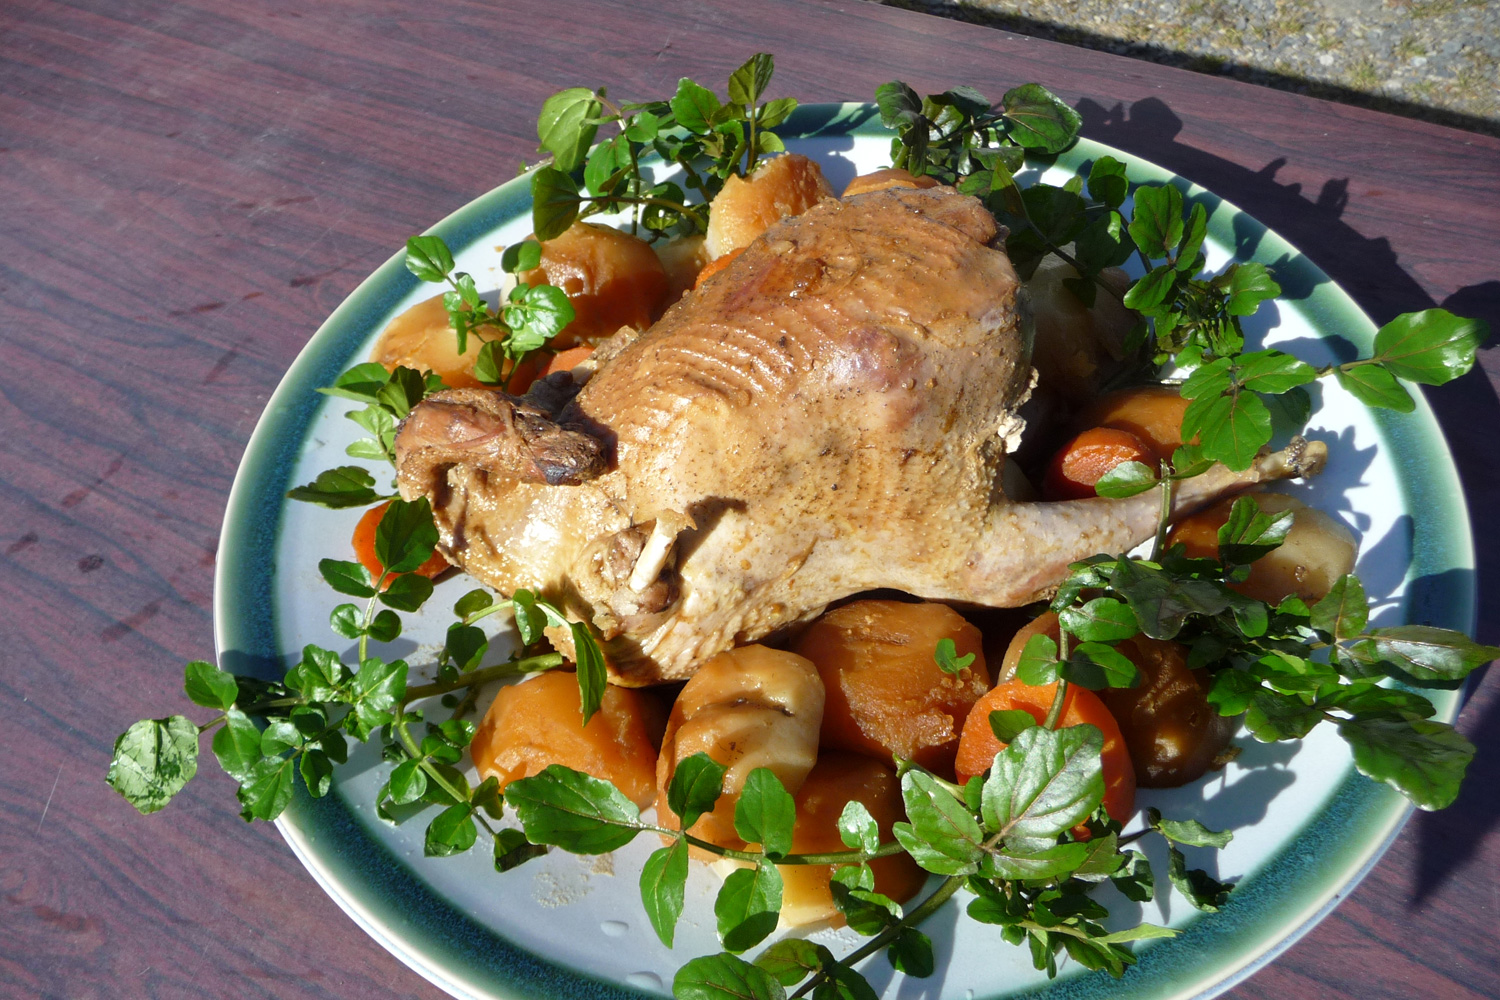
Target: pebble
[[1432, 59]]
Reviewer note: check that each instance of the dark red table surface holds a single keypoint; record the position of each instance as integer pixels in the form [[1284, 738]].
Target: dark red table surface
[[188, 188]]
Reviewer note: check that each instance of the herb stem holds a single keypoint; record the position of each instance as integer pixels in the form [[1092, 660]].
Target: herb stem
[[885, 850], [528, 665]]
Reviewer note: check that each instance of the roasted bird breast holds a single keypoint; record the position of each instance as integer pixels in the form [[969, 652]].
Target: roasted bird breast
[[828, 415]]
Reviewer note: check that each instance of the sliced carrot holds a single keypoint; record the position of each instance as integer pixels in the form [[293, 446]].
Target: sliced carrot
[[716, 265], [1152, 413], [364, 546], [978, 744], [1083, 461]]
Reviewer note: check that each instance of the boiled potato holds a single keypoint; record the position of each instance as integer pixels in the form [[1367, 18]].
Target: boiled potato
[[836, 780], [1077, 347], [890, 177], [612, 278], [887, 697], [1174, 735], [745, 207], [1318, 549], [421, 338], [682, 259], [538, 722], [746, 708]]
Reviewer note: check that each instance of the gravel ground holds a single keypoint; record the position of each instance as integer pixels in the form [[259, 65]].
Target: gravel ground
[[1433, 59]]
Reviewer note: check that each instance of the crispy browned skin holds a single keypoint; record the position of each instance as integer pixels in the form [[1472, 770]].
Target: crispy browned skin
[[828, 415]]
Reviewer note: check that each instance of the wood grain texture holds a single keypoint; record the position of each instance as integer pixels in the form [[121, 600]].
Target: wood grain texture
[[188, 188]]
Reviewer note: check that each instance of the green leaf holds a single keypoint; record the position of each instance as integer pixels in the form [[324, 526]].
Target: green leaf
[[1250, 533], [523, 256], [405, 389], [451, 832], [548, 312], [408, 783], [1008, 723], [1272, 371], [385, 626], [899, 104], [1273, 716], [947, 658], [428, 258], [530, 620], [1197, 886], [748, 906], [747, 83], [1038, 663], [1096, 666], [1374, 386], [1040, 119], [911, 953], [1134, 879], [1232, 429], [1197, 229], [1431, 347], [346, 621], [317, 773], [724, 977], [1190, 832], [663, 888], [695, 787], [571, 810], [554, 203], [1048, 863], [1156, 224], [942, 836], [1140, 932], [360, 383], [408, 592], [1162, 602], [473, 602], [512, 849], [1126, 480], [1421, 759], [1107, 181], [336, 489], [589, 659], [1103, 619], [1044, 782], [466, 645], [1248, 284], [566, 128], [378, 687], [858, 829], [209, 686], [237, 745], [866, 911], [1232, 691], [1345, 611], [792, 960], [1368, 699], [1151, 290], [279, 736], [765, 813], [773, 113], [406, 535], [695, 107], [267, 789], [153, 760], [1422, 652]]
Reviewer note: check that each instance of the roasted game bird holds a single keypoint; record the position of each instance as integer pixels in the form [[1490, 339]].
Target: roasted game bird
[[828, 415]]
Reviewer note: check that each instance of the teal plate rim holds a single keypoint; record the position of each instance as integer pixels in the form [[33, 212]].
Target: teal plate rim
[[1270, 908]]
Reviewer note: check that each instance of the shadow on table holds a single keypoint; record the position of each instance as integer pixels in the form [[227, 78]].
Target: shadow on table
[[1468, 409]]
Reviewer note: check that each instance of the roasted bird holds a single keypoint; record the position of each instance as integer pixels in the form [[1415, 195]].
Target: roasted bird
[[828, 415]]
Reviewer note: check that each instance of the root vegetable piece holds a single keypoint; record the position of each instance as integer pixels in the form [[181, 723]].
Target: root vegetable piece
[[716, 265], [746, 708], [1153, 413], [363, 542], [978, 744], [836, 780], [890, 177], [1077, 347], [538, 722], [422, 338], [745, 207], [1174, 735], [1318, 549], [612, 278], [886, 694], [682, 259], [1083, 461]]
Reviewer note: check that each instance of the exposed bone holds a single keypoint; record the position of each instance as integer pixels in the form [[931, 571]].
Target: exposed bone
[[669, 524]]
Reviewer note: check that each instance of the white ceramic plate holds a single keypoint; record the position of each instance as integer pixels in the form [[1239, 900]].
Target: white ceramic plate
[[1306, 825]]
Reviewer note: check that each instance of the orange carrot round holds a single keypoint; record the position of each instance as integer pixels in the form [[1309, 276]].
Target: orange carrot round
[[716, 265], [1083, 461]]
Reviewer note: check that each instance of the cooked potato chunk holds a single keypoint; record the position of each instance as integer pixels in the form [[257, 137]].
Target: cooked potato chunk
[[1317, 551], [789, 184], [421, 338], [1077, 347], [746, 708], [538, 722], [886, 694], [1174, 735], [682, 259], [612, 278], [838, 779]]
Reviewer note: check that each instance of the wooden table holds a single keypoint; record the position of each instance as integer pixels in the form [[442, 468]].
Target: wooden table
[[188, 188]]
